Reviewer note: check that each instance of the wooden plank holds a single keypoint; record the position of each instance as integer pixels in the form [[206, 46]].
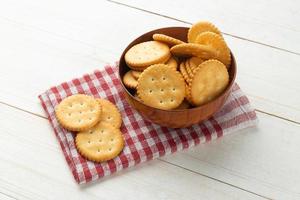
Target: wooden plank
[[31, 62], [49, 50], [269, 78], [57, 52], [273, 23], [265, 160], [5, 197], [32, 167], [137, 28]]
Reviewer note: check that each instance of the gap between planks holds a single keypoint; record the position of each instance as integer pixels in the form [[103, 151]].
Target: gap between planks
[[41, 116], [213, 179], [7, 196], [165, 16], [167, 161], [84, 43], [173, 164], [273, 115], [186, 22], [23, 110]]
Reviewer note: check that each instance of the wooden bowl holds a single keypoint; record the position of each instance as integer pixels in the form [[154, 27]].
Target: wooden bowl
[[174, 118]]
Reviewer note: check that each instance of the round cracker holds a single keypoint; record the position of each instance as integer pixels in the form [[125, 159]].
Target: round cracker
[[100, 143], [172, 63], [188, 95], [129, 80], [161, 87], [192, 49], [188, 68], [110, 113], [166, 39], [145, 54], [199, 28], [184, 73], [194, 62], [141, 69], [218, 43], [208, 82], [136, 74], [78, 112]]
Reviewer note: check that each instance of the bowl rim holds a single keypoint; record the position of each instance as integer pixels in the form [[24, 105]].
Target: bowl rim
[[229, 86]]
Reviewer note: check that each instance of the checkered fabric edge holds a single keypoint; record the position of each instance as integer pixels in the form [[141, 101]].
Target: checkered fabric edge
[[144, 140]]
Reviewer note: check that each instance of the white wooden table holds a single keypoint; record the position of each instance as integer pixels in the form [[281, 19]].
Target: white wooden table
[[43, 43]]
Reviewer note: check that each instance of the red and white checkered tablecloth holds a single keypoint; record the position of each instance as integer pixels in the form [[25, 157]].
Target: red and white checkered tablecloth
[[143, 140]]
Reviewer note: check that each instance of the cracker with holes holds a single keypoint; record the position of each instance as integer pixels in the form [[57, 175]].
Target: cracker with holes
[[199, 63], [144, 54], [100, 143], [110, 113], [161, 87], [78, 112], [209, 81]]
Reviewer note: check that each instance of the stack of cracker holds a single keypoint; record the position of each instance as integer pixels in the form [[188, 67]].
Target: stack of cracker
[[168, 73], [96, 123]]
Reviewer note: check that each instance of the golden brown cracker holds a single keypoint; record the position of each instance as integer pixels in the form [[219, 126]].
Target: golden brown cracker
[[218, 43], [208, 82], [172, 63], [161, 87], [78, 112], [129, 81], [145, 54], [194, 62], [192, 49], [188, 68], [110, 113], [136, 74], [184, 73], [100, 143], [199, 28], [188, 97], [166, 39]]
